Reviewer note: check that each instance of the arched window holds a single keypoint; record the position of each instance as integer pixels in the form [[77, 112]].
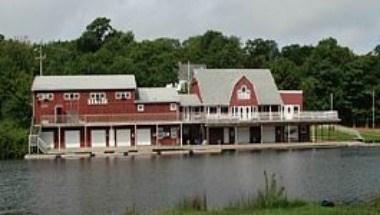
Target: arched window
[[244, 93]]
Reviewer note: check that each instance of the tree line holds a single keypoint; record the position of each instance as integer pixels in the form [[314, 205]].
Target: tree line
[[318, 70]]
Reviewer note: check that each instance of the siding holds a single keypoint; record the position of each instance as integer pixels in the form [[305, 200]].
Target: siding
[[252, 101]]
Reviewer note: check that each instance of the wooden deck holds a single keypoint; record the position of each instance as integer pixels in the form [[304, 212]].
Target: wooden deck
[[186, 149]]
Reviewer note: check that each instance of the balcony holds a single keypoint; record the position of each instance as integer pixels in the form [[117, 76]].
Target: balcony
[[265, 117], [108, 118], [305, 116]]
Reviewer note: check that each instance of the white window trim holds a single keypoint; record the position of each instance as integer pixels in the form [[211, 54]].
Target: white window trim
[[244, 95], [140, 108], [173, 106], [45, 97], [97, 98], [123, 95], [71, 96]]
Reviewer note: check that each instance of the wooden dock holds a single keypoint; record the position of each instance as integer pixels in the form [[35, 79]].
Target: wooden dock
[[115, 152]]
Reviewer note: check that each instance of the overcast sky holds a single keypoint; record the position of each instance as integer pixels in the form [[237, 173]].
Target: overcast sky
[[355, 23]]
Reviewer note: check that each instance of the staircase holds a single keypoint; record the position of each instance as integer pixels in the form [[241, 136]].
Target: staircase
[[35, 141]]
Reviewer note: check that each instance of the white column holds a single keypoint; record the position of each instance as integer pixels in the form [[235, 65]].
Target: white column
[[59, 138], [135, 132], [111, 137], [288, 133], [85, 136], [180, 135], [270, 112], [157, 135], [207, 135], [236, 135]]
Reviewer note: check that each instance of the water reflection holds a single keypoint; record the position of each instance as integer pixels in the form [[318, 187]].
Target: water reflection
[[108, 185]]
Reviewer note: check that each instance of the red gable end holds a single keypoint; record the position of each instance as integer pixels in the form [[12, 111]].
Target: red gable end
[[243, 83], [292, 97]]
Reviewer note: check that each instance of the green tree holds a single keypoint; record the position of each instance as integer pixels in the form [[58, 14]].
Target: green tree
[[214, 49], [95, 35], [260, 52]]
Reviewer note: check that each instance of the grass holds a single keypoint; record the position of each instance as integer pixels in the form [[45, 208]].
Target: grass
[[271, 200], [331, 134], [370, 135]]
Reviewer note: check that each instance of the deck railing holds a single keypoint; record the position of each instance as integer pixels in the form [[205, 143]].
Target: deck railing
[[266, 116], [104, 118], [194, 117]]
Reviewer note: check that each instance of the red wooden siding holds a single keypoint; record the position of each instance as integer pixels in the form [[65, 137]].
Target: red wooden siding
[[235, 101], [292, 98], [194, 89], [81, 106]]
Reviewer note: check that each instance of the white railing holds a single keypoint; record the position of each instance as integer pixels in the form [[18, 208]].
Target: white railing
[[105, 118], [273, 116], [194, 117]]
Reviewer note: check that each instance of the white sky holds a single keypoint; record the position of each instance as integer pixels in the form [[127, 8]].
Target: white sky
[[354, 23]]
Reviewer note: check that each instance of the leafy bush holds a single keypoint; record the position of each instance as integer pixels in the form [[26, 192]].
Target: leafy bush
[[13, 140]]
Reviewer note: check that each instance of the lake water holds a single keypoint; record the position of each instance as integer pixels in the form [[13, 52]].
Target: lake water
[[110, 185]]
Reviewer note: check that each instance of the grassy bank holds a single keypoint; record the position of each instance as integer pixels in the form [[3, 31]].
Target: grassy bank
[[271, 200], [331, 134], [307, 209], [370, 135]]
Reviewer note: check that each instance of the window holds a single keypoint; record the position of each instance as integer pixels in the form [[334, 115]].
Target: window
[[224, 110], [123, 95], [173, 107], [212, 110], [97, 98], [45, 97], [244, 93], [296, 109], [70, 96], [140, 108]]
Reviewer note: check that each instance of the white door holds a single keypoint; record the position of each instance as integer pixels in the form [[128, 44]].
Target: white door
[[144, 137], [48, 138], [226, 136], [268, 134], [123, 137], [98, 138], [72, 139], [243, 135], [288, 111]]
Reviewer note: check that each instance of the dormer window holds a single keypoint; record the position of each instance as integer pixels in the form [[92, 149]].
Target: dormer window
[[70, 96], [45, 97], [97, 98], [124, 95], [244, 93]]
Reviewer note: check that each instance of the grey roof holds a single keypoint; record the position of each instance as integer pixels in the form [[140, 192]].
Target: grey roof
[[216, 85], [83, 82], [157, 95], [189, 100], [183, 69]]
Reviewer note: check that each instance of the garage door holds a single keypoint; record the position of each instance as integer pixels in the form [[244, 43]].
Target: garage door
[[48, 138], [143, 137], [243, 135], [72, 139], [269, 134], [98, 138], [123, 137]]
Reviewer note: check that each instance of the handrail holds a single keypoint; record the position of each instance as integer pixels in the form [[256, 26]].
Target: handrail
[[42, 145], [138, 117], [92, 118]]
